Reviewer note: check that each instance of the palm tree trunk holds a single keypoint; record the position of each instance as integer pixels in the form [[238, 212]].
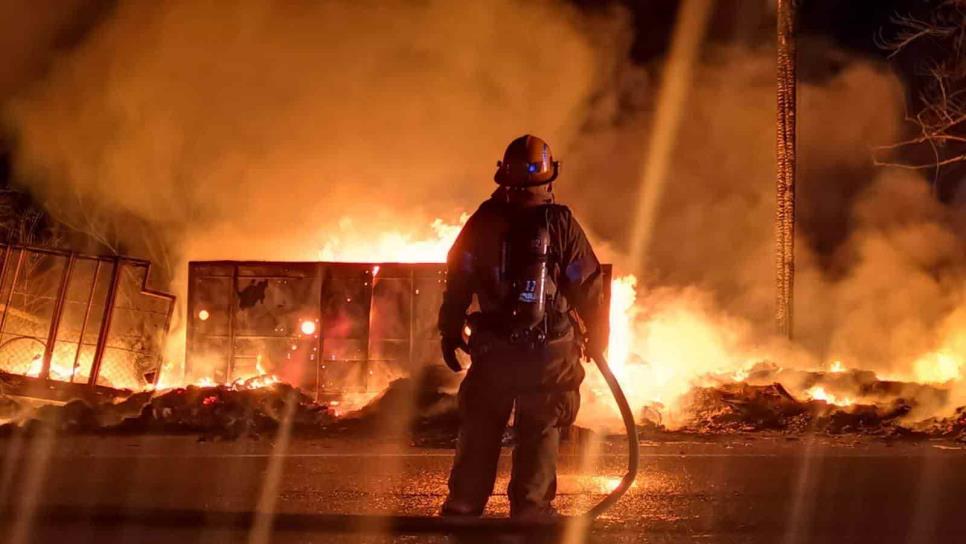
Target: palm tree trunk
[[785, 188]]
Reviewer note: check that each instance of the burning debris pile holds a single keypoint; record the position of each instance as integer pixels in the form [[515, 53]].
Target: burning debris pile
[[742, 407], [227, 412], [250, 409], [845, 387], [423, 411], [419, 406], [211, 412]]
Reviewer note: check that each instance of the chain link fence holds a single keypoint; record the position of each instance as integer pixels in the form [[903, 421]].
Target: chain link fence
[[80, 319]]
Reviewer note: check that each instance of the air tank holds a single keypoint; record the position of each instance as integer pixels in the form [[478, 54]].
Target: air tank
[[529, 254]]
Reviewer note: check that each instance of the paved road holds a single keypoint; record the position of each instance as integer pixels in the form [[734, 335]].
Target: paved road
[[734, 490]]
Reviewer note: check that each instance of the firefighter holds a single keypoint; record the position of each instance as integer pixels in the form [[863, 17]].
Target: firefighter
[[540, 296]]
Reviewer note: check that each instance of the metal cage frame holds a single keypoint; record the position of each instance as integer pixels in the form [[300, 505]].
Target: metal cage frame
[[370, 348], [49, 386]]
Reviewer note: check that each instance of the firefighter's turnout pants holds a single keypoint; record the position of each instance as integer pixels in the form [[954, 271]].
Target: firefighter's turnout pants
[[542, 384]]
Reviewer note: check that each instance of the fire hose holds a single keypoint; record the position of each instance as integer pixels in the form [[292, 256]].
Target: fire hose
[[633, 445], [337, 523]]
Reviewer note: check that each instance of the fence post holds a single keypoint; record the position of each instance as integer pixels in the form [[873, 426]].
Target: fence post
[[55, 318], [105, 331]]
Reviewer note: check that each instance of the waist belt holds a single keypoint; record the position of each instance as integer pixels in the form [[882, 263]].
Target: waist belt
[[497, 325]]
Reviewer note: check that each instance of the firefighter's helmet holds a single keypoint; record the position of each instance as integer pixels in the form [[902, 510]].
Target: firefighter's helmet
[[527, 162]]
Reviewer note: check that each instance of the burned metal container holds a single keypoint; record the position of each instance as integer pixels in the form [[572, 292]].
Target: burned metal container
[[72, 322], [328, 328]]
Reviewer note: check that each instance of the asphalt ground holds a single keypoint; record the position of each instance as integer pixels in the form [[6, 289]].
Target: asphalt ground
[[728, 489]]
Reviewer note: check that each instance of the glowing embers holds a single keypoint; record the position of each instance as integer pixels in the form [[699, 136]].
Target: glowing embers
[[260, 378]]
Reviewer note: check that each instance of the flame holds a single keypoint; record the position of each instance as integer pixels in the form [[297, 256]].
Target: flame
[[36, 366], [623, 295], [205, 382], [661, 344], [400, 246], [940, 367], [354, 244], [819, 393], [659, 350], [63, 370]]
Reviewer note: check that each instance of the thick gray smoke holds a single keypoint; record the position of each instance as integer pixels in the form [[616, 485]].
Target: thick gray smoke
[[183, 130]]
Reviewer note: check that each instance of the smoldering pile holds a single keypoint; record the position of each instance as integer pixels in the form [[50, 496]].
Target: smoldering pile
[[210, 412], [230, 412], [877, 408], [423, 411]]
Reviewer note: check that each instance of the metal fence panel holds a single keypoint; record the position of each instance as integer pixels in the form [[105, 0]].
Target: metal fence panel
[[77, 319]]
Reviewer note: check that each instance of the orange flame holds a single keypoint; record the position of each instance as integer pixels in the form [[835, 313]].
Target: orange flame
[[819, 393], [659, 347]]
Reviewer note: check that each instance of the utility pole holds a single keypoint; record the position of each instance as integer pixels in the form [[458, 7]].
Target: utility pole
[[785, 187]]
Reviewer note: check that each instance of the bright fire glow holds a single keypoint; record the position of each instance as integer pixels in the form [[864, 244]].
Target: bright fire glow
[[940, 367], [819, 393], [36, 367], [354, 245], [62, 369], [659, 349], [262, 379], [308, 327], [662, 343], [623, 295]]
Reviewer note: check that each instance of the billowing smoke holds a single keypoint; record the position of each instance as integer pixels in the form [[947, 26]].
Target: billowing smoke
[[189, 130], [881, 263], [249, 132], [183, 130]]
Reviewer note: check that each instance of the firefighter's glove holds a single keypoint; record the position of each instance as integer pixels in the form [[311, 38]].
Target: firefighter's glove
[[449, 345]]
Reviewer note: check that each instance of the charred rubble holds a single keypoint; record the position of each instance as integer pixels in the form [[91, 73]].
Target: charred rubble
[[412, 406], [423, 410], [743, 407]]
